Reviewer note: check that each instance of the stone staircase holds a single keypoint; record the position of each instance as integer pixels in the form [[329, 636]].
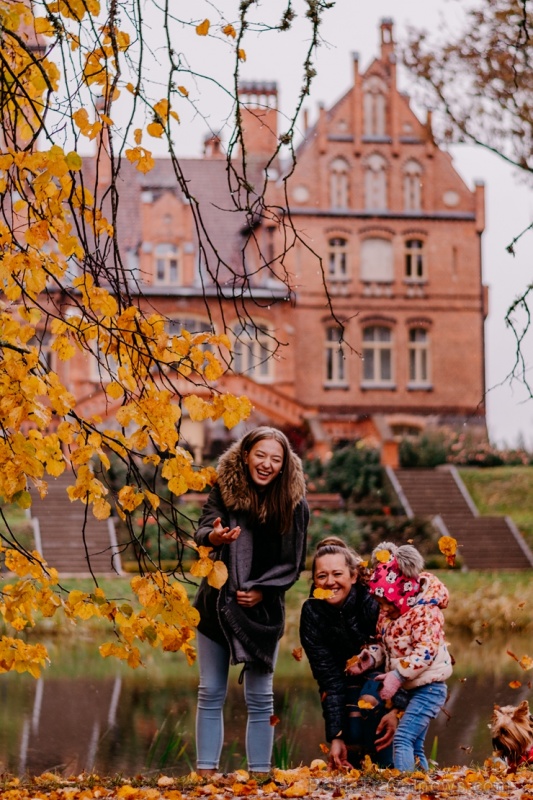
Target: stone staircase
[[62, 539], [485, 543]]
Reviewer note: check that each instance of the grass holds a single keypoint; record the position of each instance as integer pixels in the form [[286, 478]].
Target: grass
[[503, 491]]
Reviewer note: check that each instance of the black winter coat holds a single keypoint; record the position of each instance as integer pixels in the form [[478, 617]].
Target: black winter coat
[[330, 635]]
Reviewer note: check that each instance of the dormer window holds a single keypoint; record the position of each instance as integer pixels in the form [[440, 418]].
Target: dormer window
[[167, 264], [338, 178], [375, 183], [375, 107], [412, 186]]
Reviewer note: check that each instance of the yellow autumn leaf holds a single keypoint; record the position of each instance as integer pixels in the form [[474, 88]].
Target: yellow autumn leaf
[[229, 30], [322, 594], [183, 91], [114, 390], [218, 575], [203, 28], [155, 129], [364, 704], [300, 788], [383, 556], [241, 54]]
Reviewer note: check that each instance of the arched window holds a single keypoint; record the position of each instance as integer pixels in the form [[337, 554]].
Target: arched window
[[338, 183], [377, 356], [415, 261], [335, 363], [167, 264], [375, 183], [419, 374], [252, 351], [377, 264], [338, 258], [412, 186], [375, 107]]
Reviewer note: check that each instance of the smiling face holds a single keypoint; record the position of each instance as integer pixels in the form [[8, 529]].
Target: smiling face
[[265, 461], [332, 572]]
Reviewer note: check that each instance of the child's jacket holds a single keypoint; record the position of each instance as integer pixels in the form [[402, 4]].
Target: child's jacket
[[413, 644]]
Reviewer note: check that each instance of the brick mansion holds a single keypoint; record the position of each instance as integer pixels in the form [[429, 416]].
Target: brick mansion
[[398, 234]]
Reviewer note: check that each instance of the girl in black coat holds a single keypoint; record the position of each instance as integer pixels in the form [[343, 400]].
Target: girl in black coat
[[255, 519], [333, 630]]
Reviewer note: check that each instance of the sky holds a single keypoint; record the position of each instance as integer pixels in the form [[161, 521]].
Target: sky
[[353, 26]]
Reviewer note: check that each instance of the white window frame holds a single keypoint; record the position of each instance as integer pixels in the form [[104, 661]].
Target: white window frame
[[419, 358], [167, 264], [338, 258], [339, 183], [252, 352], [415, 260], [376, 183], [374, 354], [412, 186], [335, 363]]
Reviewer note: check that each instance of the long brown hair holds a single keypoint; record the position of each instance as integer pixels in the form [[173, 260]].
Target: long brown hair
[[276, 504]]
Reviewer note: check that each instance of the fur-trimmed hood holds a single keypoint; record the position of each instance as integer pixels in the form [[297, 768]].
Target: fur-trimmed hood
[[235, 486]]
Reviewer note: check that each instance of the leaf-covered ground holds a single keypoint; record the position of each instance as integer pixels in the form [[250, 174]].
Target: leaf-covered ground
[[316, 782]]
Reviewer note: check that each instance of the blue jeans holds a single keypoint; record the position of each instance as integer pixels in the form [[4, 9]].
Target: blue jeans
[[214, 662], [424, 704], [363, 722]]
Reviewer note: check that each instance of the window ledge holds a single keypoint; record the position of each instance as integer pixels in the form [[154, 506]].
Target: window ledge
[[333, 385], [388, 387], [419, 387], [415, 281]]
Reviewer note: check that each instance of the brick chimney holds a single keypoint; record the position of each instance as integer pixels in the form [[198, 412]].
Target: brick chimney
[[259, 117], [213, 147]]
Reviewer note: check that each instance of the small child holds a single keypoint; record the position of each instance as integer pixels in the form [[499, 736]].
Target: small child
[[411, 644]]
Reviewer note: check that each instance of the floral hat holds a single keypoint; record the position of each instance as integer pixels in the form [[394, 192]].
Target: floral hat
[[387, 581]]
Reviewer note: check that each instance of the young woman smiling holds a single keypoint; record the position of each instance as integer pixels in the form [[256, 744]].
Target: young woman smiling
[[255, 519], [332, 630]]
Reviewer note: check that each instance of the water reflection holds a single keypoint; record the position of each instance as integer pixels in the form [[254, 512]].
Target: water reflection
[[87, 714]]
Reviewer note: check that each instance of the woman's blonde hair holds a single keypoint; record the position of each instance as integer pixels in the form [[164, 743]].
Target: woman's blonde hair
[[333, 545]]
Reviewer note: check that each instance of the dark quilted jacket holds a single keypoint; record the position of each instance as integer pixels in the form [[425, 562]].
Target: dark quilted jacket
[[330, 636]]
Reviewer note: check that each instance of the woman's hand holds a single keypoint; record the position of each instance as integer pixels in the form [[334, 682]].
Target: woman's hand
[[220, 535], [338, 755], [387, 728], [249, 599]]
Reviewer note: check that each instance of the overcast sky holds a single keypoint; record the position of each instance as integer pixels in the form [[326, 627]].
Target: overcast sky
[[353, 26]]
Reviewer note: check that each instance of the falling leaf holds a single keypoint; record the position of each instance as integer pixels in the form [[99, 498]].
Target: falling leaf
[[274, 720], [323, 594], [364, 704], [448, 547], [478, 641], [297, 653], [323, 747], [515, 684], [383, 556], [229, 30]]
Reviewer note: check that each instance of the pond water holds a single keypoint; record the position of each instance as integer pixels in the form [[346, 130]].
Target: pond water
[[90, 714]]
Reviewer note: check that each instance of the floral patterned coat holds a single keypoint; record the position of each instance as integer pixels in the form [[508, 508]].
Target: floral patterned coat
[[414, 644]]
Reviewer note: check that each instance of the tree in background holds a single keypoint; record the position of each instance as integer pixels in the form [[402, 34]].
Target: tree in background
[[481, 83], [114, 75]]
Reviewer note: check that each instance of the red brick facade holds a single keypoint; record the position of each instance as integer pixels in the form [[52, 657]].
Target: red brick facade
[[398, 234]]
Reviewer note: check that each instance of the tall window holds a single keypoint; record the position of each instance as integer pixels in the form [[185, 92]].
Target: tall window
[[335, 363], [377, 356], [374, 107], [337, 258], [338, 183], [192, 325], [415, 262], [377, 263], [375, 183], [252, 351], [412, 186], [167, 264], [43, 342], [419, 357]]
